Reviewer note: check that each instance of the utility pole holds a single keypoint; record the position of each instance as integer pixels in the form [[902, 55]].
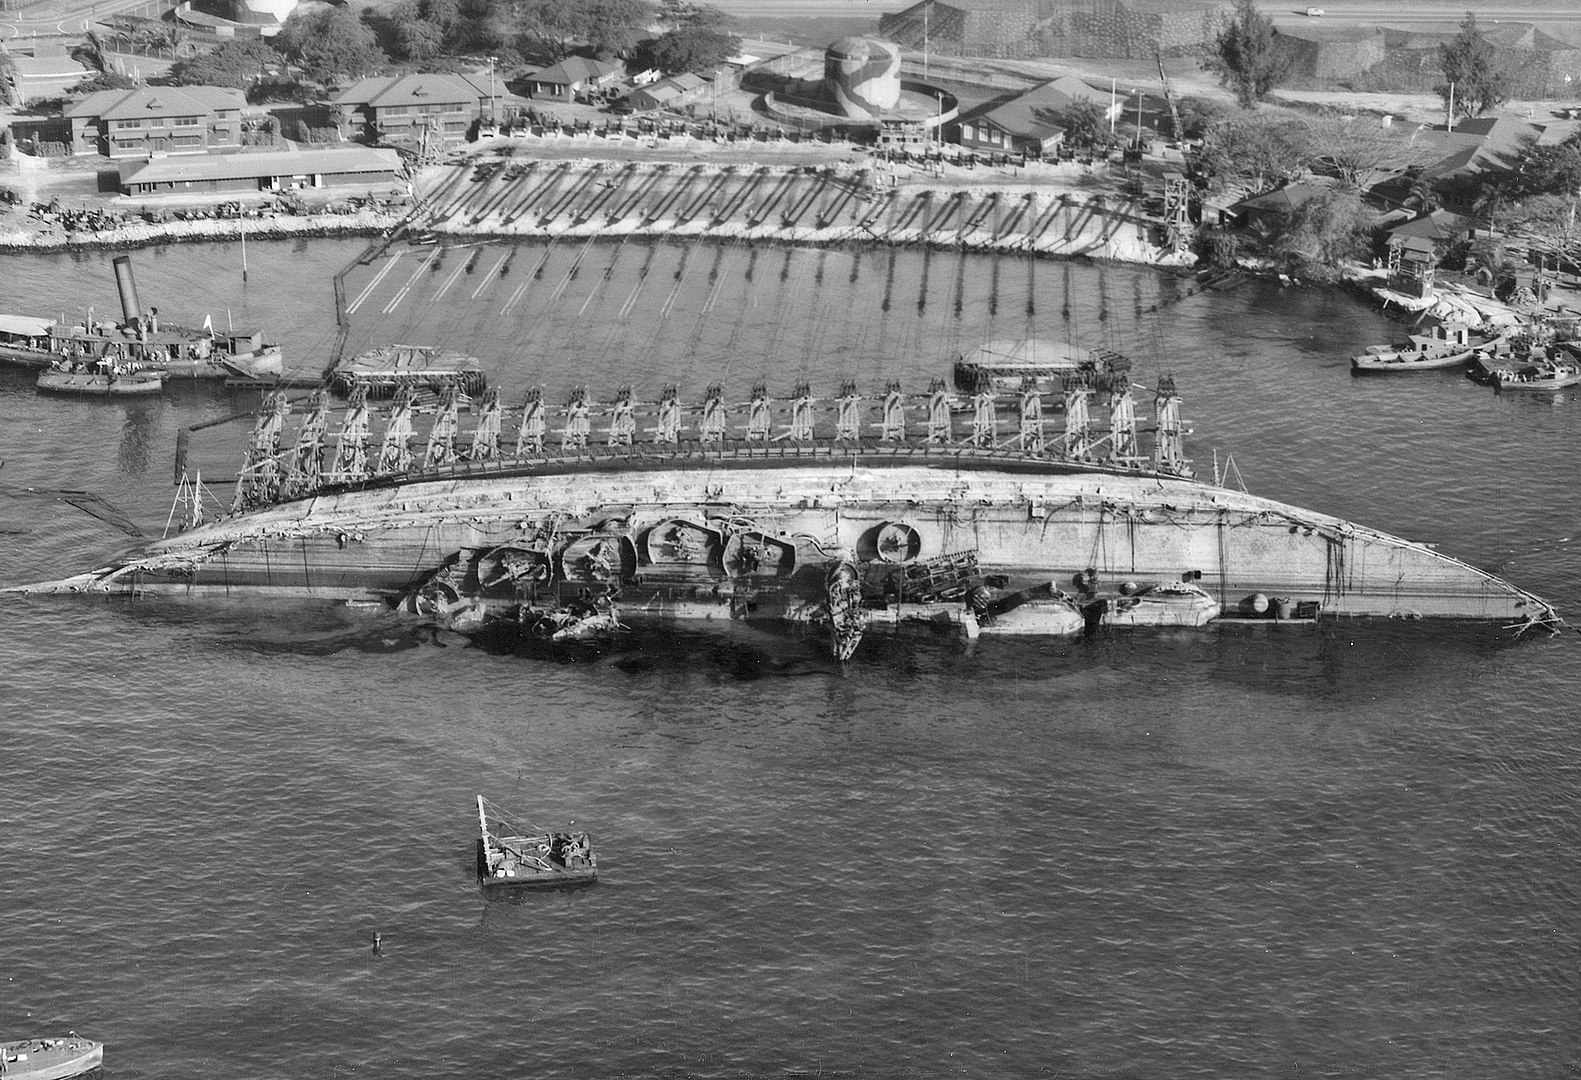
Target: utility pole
[[1449, 114], [494, 109], [925, 7]]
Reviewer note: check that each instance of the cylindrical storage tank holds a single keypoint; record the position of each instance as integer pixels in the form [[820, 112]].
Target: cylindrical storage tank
[[130, 310], [863, 76]]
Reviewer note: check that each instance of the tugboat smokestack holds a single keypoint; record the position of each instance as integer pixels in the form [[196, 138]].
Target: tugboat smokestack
[[124, 284]]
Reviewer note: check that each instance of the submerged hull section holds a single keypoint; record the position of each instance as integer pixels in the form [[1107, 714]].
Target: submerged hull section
[[566, 530]]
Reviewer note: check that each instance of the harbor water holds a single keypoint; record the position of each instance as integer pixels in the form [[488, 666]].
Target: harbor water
[[1344, 851]]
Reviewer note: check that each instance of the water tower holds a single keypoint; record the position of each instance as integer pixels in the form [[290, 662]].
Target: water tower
[[862, 75]]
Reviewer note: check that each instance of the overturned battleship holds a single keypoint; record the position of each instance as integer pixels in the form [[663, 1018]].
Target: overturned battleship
[[992, 512]]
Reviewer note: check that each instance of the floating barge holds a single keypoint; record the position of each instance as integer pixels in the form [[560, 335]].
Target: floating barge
[[385, 371], [833, 512], [512, 856]]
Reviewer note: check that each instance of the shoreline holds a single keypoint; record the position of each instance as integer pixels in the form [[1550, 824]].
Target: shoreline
[[154, 234]]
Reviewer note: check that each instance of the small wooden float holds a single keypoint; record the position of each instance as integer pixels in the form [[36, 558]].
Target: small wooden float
[[101, 384]]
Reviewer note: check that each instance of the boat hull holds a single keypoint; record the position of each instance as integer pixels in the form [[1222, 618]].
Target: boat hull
[[50, 1059], [1025, 527], [1394, 364], [137, 384]]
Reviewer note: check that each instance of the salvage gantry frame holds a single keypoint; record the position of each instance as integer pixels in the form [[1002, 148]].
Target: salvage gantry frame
[[934, 423]]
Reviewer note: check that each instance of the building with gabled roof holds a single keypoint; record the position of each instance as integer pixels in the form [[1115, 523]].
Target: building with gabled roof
[[572, 76], [404, 108], [274, 170], [152, 120], [671, 93], [1027, 124]]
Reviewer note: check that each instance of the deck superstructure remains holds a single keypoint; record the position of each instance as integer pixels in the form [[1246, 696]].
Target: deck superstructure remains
[[745, 510]]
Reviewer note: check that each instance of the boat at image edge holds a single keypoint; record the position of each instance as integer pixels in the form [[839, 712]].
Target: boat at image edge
[[50, 1059], [141, 339], [512, 856]]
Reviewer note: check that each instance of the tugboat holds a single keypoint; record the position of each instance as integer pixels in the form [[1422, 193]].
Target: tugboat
[[512, 856], [50, 1059]]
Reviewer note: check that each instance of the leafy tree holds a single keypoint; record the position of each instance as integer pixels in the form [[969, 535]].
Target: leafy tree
[[103, 80], [441, 13], [687, 49], [1249, 55], [608, 27], [1198, 114], [330, 44], [696, 37], [1361, 151], [1253, 152], [1321, 234], [237, 63], [1474, 81], [404, 33], [1084, 122], [486, 26], [1547, 170]]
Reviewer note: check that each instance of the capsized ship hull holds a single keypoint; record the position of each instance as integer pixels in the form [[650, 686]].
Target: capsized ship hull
[[666, 534]]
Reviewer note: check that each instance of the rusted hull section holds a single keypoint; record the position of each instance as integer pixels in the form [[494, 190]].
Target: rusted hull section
[[650, 538]]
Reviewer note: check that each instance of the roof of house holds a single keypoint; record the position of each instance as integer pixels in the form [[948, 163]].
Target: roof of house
[[1436, 225], [338, 159], [576, 69], [1032, 114], [386, 91], [1286, 198], [1413, 245], [667, 90], [1480, 143], [157, 101]]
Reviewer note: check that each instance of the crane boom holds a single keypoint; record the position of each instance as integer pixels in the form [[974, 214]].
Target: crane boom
[[1169, 95]]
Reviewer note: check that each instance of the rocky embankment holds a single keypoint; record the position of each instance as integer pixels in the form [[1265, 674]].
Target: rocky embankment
[[36, 233]]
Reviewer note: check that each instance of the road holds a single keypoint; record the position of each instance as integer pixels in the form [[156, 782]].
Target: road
[[57, 17], [1408, 13]]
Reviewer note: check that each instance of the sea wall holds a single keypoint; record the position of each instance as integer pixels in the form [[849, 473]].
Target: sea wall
[[37, 236], [808, 204]]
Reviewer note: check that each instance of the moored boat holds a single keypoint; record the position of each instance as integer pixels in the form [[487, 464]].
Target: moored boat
[[515, 856], [1171, 603], [141, 339], [1445, 345], [1007, 366], [1543, 375], [50, 1059], [101, 383], [383, 371], [26, 340]]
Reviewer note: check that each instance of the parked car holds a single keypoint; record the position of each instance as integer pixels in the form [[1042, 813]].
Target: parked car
[[1314, 12]]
